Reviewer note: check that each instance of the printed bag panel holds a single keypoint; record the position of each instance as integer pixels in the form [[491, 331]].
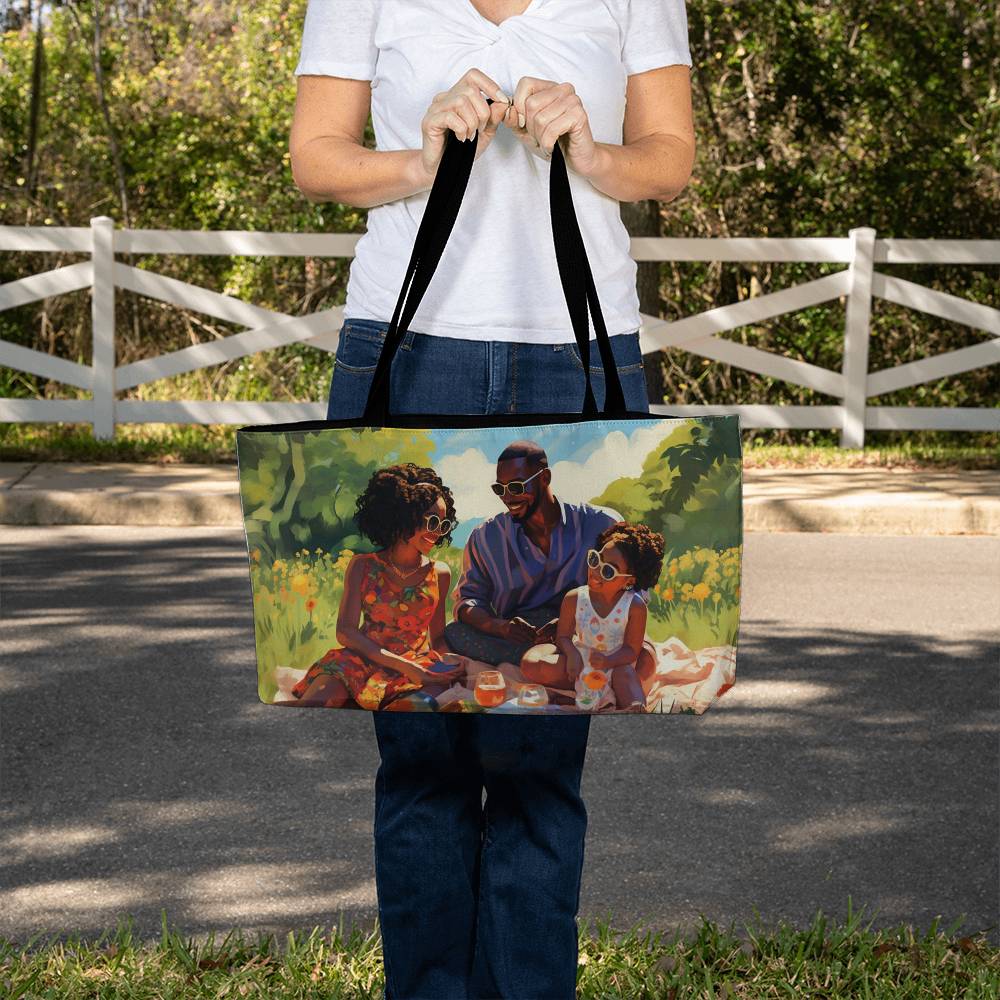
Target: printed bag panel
[[565, 567]]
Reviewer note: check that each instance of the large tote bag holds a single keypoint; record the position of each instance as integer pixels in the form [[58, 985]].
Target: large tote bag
[[643, 578]]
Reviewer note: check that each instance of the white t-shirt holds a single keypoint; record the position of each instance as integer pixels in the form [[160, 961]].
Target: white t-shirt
[[497, 278]]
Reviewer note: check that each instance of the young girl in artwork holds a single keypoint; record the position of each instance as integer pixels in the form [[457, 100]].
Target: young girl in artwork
[[397, 659], [602, 623]]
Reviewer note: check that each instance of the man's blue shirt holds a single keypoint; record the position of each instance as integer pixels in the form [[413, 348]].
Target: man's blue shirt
[[503, 570]]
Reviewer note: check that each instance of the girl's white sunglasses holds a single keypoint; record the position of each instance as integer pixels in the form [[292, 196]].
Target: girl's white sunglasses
[[607, 571]]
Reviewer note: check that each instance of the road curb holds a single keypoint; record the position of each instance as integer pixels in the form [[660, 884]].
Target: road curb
[[848, 501]]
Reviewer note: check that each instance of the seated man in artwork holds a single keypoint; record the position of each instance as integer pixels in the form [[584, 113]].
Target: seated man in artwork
[[518, 565]]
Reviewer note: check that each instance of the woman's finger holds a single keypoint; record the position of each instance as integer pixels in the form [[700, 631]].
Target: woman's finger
[[486, 84], [468, 119], [548, 132], [528, 86], [498, 111], [475, 110]]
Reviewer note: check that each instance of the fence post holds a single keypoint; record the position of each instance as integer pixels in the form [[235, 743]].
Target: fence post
[[102, 318], [857, 333]]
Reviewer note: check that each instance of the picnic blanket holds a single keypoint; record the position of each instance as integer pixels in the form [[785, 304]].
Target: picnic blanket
[[689, 680], [686, 680]]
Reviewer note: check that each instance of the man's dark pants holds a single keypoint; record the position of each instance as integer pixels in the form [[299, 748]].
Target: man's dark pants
[[469, 641]]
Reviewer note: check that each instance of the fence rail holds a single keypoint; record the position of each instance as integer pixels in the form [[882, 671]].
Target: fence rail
[[853, 385]]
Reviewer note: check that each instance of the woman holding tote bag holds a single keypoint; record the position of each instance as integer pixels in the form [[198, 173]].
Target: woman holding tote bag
[[481, 901]]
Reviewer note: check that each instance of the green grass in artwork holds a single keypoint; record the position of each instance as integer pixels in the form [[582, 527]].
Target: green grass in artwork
[[296, 602], [697, 598]]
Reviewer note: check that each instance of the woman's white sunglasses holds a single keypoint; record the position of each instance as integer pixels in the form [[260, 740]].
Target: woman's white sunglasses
[[434, 523]]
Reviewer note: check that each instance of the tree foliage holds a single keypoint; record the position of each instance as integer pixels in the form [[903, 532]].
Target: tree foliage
[[302, 488], [689, 488], [812, 118]]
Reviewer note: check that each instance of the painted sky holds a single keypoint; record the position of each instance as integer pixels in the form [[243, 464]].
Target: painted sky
[[584, 459]]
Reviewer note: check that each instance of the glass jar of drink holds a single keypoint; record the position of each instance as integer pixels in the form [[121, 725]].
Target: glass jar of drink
[[491, 688], [532, 696], [594, 684]]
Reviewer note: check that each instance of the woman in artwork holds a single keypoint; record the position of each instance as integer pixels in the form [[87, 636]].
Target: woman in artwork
[[397, 658]]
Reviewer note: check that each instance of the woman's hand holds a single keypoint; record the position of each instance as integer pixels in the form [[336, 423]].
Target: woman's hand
[[410, 669], [457, 672], [598, 660], [458, 669], [544, 111], [463, 110]]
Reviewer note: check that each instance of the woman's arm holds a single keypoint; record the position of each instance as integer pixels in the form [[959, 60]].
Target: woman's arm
[[658, 139], [331, 163], [436, 628], [328, 157]]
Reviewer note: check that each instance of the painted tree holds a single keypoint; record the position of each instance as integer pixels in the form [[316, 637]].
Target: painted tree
[[300, 488]]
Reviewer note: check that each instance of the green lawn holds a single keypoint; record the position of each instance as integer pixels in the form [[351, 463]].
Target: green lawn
[[167, 443], [833, 962]]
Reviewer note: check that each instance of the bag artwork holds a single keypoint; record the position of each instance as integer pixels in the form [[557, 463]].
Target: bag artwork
[[556, 563]]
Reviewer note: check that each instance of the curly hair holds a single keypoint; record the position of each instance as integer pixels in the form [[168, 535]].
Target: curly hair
[[393, 503], [641, 546]]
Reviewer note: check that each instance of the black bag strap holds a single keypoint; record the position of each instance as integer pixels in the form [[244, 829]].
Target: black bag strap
[[440, 213]]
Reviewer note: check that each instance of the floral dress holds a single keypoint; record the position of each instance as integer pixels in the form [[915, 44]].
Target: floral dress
[[606, 633], [395, 615]]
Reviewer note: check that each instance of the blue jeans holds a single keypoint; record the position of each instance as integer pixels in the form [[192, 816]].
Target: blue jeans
[[449, 375], [478, 901]]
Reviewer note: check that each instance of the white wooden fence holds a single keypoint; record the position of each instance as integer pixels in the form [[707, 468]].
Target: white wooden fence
[[855, 286]]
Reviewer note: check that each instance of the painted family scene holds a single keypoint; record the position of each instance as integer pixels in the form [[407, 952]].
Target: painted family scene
[[560, 568]]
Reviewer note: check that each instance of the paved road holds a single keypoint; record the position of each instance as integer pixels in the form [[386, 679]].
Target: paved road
[[857, 754]]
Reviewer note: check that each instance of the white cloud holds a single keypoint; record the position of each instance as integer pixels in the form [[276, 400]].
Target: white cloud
[[468, 475], [619, 455]]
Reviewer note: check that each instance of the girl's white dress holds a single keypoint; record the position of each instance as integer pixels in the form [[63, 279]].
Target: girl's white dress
[[606, 634]]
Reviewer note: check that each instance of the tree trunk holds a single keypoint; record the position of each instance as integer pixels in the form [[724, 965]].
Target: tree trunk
[[642, 218], [37, 85]]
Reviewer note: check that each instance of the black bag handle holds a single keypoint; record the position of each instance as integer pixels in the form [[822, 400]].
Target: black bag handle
[[440, 213]]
